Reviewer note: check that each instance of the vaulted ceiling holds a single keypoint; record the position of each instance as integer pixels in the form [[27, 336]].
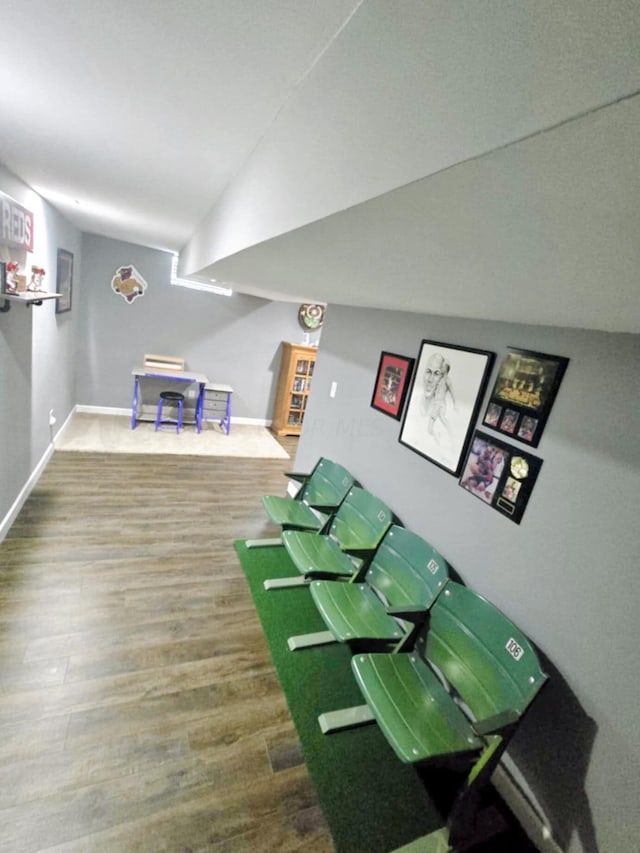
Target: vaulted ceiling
[[472, 158]]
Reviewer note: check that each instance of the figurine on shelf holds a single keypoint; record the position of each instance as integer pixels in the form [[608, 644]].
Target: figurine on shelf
[[11, 284], [35, 285]]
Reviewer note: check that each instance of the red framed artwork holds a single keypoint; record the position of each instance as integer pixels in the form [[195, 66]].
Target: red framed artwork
[[392, 383]]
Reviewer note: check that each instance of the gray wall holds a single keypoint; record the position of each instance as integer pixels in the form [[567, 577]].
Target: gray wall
[[568, 574], [15, 404], [37, 350], [234, 340]]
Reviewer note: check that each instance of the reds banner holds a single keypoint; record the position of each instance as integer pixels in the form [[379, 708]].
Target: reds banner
[[16, 224]]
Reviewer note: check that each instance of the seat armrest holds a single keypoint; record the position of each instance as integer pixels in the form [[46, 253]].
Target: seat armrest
[[360, 553], [325, 509], [298, 476], [414, 613], [495, 723], [361, 557]]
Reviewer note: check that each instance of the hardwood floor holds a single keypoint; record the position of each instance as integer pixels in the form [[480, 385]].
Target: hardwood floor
[[139, 709]]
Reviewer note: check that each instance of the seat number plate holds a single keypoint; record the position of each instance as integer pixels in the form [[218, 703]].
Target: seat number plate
[[516, 651]]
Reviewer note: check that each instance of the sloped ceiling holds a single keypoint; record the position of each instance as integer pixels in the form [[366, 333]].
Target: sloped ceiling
[[471, 158], [546, 231], [131, 116]]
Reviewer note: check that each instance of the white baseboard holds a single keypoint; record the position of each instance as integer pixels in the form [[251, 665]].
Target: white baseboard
[[26, 490], [251, 421], [64, 426], [522, 808], [102, 410]]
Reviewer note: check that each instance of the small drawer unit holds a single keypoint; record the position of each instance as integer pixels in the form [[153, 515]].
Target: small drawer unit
[[216, 404]]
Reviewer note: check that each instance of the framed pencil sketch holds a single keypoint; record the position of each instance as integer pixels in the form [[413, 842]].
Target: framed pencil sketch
[[392, 384], [64, 281], [523, 394], [446, 393], [500, 474]]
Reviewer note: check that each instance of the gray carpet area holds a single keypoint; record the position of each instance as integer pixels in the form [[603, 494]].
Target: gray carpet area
[[98, 433]]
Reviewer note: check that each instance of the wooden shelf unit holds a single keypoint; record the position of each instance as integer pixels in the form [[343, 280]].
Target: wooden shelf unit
[[294, 382]]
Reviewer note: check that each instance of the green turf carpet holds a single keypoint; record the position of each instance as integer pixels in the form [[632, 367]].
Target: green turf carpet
[[372, 802]]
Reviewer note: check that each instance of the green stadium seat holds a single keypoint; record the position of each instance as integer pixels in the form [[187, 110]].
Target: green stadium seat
[[388, 607], [344, 548], [456, 698], [320, 494]]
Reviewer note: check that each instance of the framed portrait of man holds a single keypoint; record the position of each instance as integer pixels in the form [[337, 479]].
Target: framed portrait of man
[[446, 393]]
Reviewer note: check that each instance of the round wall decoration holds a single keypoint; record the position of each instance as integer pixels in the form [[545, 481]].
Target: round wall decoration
[[310, 316]]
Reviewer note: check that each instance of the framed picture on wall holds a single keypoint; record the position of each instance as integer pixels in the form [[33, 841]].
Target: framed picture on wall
[[445, 397], [523, 394], [392, 383], [64, 281], [500, 474]]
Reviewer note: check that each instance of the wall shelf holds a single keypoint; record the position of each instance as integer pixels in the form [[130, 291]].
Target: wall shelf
[[27, 298]]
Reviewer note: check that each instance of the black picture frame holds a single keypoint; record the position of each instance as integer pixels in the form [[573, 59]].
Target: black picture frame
[[500, 474], [446, 393], [523, 394], [392, 383], [64, 281]]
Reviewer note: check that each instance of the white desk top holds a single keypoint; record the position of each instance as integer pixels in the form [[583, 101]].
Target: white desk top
[[178, 375], [218, 386]]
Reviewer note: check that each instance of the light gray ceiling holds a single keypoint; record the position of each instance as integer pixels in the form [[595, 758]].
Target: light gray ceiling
[[462, 157], [131, 116]]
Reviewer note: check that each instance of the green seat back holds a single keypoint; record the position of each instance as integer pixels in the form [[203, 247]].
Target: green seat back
[[361, 520], [406, 570], [327, 485], [489, 662]]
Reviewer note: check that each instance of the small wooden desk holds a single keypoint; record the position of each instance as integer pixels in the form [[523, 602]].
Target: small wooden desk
[[147, 384]]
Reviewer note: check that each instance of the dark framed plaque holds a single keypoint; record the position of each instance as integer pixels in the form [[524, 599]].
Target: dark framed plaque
[[500, 474], [523, 394]]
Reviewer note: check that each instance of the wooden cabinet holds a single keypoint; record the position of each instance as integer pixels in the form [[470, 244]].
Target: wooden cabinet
[[296, 370]]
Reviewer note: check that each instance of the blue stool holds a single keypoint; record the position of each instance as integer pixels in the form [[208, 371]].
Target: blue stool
[[173, 398]]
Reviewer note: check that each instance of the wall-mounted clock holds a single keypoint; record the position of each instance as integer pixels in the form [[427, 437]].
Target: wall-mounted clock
[[311, 316]]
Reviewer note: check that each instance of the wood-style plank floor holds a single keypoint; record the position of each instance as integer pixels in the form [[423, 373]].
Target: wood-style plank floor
[[139, 709]]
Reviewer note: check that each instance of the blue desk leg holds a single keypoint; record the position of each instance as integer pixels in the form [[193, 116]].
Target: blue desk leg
[[134, 404], [227, 418], [199, 408]]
